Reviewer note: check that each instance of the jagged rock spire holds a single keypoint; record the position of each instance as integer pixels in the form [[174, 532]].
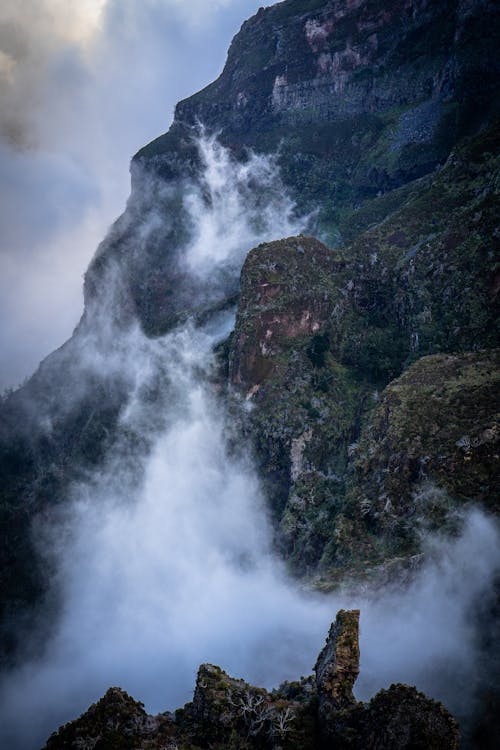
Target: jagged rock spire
[[337, 667]]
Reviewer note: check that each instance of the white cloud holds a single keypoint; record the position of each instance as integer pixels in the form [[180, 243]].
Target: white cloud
[[164, 557], [82, 87]]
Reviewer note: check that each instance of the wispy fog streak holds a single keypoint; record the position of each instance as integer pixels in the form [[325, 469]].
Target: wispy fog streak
[[83, 85], [161, 574]]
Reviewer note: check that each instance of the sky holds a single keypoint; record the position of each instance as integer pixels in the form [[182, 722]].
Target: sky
[[83, 85]]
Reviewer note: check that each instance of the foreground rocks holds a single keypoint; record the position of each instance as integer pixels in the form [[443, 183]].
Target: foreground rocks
[[315, 713]]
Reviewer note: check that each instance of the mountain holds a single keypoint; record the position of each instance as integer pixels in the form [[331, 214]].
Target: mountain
[[336, 188], [354, 456]]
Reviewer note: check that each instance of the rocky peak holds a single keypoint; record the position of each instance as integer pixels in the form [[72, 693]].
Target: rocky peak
[[230, 713], [337, 667]]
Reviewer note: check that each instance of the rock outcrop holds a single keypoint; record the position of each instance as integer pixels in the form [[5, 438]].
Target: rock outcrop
[[314, 713], [356, 461], [402, 717], [381, 119], [116, 721], [430, 444], [287, 292], [337, 667]]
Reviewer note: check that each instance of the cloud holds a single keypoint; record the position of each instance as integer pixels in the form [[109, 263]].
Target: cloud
[[164, 555], [82, 87], [180, 572]]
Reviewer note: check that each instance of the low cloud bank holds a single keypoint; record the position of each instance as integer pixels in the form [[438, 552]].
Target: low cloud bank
[[181, 572], [165, 560]]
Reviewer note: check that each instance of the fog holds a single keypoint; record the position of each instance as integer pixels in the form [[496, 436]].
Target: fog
[[165, 559], [83, 85]]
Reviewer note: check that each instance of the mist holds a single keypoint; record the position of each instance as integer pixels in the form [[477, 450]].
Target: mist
[[83, 86], [165, 558]]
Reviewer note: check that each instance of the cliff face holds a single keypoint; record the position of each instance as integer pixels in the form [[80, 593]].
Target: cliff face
[[389, 89], [364, 106], [388, 86], [354, 464]]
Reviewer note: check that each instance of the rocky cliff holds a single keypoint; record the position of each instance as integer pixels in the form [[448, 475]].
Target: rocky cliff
[[321, 333], [389, 88], [313, 713], [362, 369]]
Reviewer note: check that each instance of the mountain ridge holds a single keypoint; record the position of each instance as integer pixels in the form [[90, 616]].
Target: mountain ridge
[[371, 127]]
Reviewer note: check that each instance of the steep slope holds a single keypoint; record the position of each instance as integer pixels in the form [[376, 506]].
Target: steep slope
[[388, 87], [357, 104], [319, 335]]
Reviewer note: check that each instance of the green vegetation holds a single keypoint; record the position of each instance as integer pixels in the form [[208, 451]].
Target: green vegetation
[[308, 714], [355, 466]]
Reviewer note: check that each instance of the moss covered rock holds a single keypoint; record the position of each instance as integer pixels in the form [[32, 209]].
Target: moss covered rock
[[401, 718], [115, 722], [434, 427], [310, 714], [355, 473]]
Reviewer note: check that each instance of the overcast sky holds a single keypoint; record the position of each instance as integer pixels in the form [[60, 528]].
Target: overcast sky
[[83, 84]]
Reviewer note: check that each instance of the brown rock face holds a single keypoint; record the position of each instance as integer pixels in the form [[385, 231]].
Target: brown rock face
[[337, 667], [287, 292]]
